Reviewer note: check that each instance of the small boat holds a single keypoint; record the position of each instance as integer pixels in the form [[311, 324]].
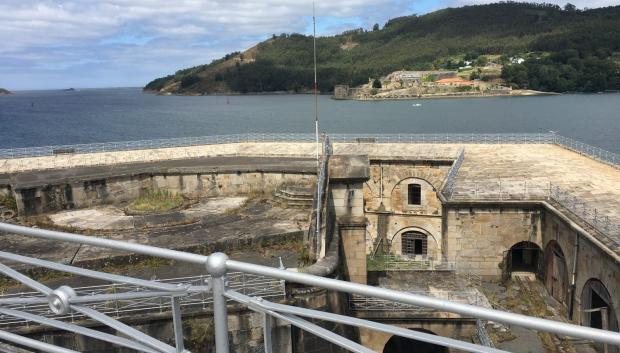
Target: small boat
[[416, 105]]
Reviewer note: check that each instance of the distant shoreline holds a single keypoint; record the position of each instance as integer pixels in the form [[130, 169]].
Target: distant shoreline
[[273, 93], [521, 93]]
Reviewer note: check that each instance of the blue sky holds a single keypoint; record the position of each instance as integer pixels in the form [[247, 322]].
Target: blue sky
[[46, 44]]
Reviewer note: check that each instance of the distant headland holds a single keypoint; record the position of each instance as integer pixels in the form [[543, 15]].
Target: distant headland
[[4, 92], [495, 48]]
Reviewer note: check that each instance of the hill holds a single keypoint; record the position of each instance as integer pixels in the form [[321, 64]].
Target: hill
[[4, 92], [565, 50]]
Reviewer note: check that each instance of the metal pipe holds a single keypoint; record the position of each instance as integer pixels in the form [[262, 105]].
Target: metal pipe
[[177, 323], [125, 329], [267, 339], [216, 266], [220, 315], [105, 243], [223, 265], [79, 330], [312, 328], [92, 274], [117, 296], [41, 288], [30, 343], [434, 303], [346, 320]]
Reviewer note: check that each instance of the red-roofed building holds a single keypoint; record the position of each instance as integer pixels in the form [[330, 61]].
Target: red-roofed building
[[454, 81]]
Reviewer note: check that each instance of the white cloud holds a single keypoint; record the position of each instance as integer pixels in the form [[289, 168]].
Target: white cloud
[[111, 38]]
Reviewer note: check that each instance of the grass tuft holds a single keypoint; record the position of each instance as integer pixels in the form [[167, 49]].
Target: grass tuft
[[156, 201]]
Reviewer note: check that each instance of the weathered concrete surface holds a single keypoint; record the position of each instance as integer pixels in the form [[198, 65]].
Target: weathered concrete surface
[[102, 217], [56, 190], [350, 168], [115, 218], [19, 179], [255, 220]]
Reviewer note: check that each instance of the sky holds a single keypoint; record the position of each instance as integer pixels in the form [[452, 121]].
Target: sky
[[51, 44]]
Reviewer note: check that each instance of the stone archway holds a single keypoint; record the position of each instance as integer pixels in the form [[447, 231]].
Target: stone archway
[[397, 344], [524, 256], [595, 295], [556, 272]]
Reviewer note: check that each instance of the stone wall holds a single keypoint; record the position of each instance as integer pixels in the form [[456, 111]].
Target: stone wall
[[5, 190], [387, 209], [122, 190], [592, 264], [477, 237]]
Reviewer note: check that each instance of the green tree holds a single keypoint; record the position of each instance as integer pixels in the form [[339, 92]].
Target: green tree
[[376, 83], [475, 74], [570, 7], [375, 27]]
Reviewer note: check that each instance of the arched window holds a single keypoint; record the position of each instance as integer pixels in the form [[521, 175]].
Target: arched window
[[414, 243], [414, 194]]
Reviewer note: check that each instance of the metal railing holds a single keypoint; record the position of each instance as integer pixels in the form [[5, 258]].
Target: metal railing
[[524, 138], [483, 335], [64, 300], [593, 152], [389, 262], [251, 285], [448, 188], [473, 138], [363, 303], [10, 153], [586, 212]]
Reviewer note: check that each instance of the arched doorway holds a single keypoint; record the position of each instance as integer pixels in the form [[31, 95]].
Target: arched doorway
[[398, 344], [556, 272], [524, 257], [595, 296]]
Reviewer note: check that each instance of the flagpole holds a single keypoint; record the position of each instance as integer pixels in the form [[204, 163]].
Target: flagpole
[[316, 97]]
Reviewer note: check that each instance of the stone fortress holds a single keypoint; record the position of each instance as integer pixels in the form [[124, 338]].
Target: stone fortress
[[443, 215]]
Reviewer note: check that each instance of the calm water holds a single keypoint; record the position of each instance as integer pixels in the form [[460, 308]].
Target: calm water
[[57, 117]]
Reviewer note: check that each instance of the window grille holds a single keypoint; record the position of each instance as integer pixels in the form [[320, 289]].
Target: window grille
[[414, 243]]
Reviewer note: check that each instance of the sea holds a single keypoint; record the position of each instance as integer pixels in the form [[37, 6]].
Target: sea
[[41, 118]]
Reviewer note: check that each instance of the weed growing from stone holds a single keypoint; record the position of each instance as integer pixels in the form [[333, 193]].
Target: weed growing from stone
[[156, 201]]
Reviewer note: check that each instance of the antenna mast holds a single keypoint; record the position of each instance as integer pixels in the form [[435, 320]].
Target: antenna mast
[[316, 97]]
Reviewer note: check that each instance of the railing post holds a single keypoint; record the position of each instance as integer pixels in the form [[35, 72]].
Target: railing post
[[177, 323], [216, 266], [605, 326], [267, 324]]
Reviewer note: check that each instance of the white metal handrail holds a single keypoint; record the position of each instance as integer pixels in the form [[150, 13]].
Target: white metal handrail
[[101, 301], [218, 265]]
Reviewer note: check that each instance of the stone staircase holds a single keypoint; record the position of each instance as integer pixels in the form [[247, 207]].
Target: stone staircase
[[295, 196]]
